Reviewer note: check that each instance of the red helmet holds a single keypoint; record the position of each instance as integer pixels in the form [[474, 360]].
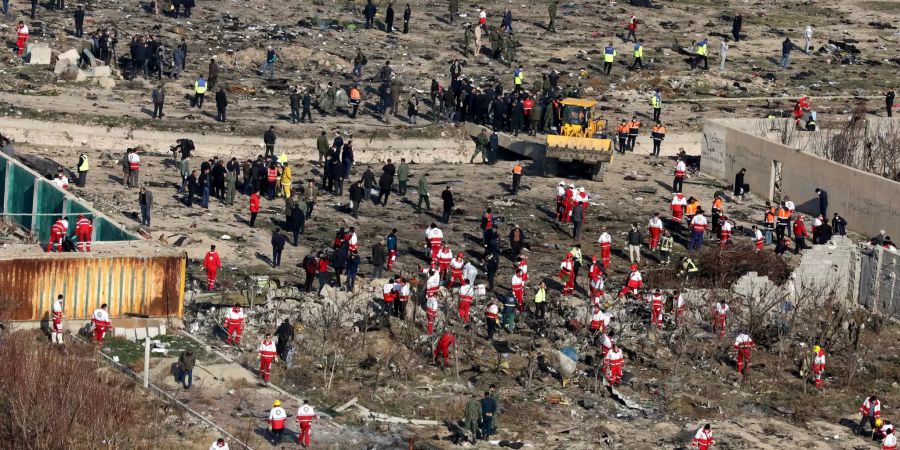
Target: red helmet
[[460, 254], [634, 266]]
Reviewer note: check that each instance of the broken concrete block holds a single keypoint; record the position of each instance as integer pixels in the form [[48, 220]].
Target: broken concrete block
[[130, 335], [119, 332], [39, 55], [106, 82], [140, 334], [69, 74], [162, 329], [61, 66], [69, 55], [152, 332], [81, 75], [101, 71]]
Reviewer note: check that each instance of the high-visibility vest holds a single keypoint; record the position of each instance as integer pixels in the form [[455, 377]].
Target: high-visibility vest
[[272, 175], [609, 54], [540, 296], [519, 77], [770, 219], [655, 101], [200, 86], [623, 128], [638, 51], [701, 49], [517, 169], [691, 209], [354, 94], [633, 126], [658, 132], [717, 205], [784, 216], [85, 165]]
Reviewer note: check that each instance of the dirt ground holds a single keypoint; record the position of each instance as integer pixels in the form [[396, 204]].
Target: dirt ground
[[678, 386]]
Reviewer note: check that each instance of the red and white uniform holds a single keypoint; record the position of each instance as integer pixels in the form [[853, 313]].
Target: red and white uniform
[[605, 248], [234, 324], [388, 292], [404, 292], [678, 301], [567, 275], [523, 266], [635, 282], [720, 314], [466, 294], [699, 223], [456, 270], [789, 205], [305, 416], [613, 363], [758, 239], [61, 181], [889, 442], [869, 404], [605, 344], [518, 289], [212, 263], [703, 439], [83, 231], [277, 417], [656, 310], [56, 329], [680, 169], [134, 161], [678, 205], [101, 322], [216, 446], [58, 232], [444, 256], [725, 232], [581, 196], [431, 310], [267, 354], [443, 347], [353, 242], [568, 204], [21, 38], [819, 368], [432, 285], [655, 227], [492, 312], [599, 320], [743, 344], [560, 199], [482, 17], [435, 239], [597, 281]]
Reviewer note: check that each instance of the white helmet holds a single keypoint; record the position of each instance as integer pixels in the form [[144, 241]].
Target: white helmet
[[562, 183]]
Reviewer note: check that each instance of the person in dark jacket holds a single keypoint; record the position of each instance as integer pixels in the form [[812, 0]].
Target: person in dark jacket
[[368, 179], [516, 241], [188, 4], [889, 102], [786, 47], [297, 222], [278, 241], [389, 18], [736, 25], [491, 265], [577, 220], [310, 268], [823, 202], [285, 334], [347, 158], [386, 182], [193, 187], [295, 106], [79, 22], [337, 176], [822, 233], [356, 197], [269, 139], [407, 13], [352, 270], [307, 108], [379, 258], [217, 174], [339, 262], [447, 197], [739, 186], [186, 363], [838, 225], [369, 13]]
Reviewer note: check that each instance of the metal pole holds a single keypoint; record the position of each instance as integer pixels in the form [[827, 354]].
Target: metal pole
[[146, 362]]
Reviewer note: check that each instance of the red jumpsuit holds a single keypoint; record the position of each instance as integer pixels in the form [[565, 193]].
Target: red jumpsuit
[[101, 324], [305, 416], [656, 306], [703, 440], [83, 231], [466, 293], [435, 240], [456, 271], [21, 38], [568, 205], [720, 313], [613, 363], [635, 282], [596, 275], [267, 354], [655, 227], [57, 234], [743, 344], [567, 275], [444, 256], [605, 249], [234, 323], [431, 310], [818, 368], [212, 264], [443, 347], [518, 290]]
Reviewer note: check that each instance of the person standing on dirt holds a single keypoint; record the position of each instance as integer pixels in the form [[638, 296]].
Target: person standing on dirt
[[212, 264], [269, 65], [269, 139], [278, 241], [447, 197], [82, 168], [736, 25], [889, 102], [386, 182], [423, 194], [294, 100], [402, 176], [577, 220], [703, 438], [786, 47], [285, 335], [186, 363], [609, 56], [407, 13], [322, 145], [221, 105], [632, 28], [552, 9], [516, 177], [158, 95], [481, 143], [145, 200], [79, 22], [389, 18], [369, 13], [453, 9], [473, 417], [212, 75], [200, 88]]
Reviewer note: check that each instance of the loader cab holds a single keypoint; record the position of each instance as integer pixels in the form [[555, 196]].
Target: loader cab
[[579, 118]]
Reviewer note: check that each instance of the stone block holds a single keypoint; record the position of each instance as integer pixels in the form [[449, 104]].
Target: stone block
[[70, 55], [130, 335], [81, 75], [39, 55], [100, 71], [61, 66], [119, 332], [162, 329], [152, 332], [140, 334], [106, 82]]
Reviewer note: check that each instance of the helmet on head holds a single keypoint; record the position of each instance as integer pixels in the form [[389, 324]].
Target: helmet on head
[[634, 267], [816, 349], [277, 402], [877, 422]]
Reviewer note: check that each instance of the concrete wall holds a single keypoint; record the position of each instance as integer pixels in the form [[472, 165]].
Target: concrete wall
[[879, 288], [868, 202]]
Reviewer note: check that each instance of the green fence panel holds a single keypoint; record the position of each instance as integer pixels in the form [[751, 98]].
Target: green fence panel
[[21, 196], [2, 180], [104, 230], [48, 206]]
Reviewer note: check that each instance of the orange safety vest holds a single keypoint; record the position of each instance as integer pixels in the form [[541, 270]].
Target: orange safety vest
[[517, 169], [717, 205], [659, 129], [770, 218], [691, 208], [272, 175], [623, 128]]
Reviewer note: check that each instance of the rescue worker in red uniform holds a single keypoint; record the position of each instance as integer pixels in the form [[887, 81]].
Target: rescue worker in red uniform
[[443, 348], [267, 354], [444, 256], [389, 294], [596, 278], [305, 416], [523, 267], [431, 310], [743, 344], [560, 200], [568, 204], [21, 38], [212, 264], [720, 314], [83, 231], [277, 417], [58, 232], [456, 270], [234, 324], [703, 439], [517, 285], [678, 304], [613, 363], [655, 227], [101, 322], [633, 284], [679, 203], [466, 294], [435, 238], [605, 242], [567, 275], [656, 309], [871, 412], [56, 329], [818, 366]]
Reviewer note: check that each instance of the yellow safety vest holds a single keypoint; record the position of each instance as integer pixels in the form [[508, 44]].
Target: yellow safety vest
[[540, 296], [654, 101], [84, 167], [519, 78], [198, 88], [639, 52], [608, 57], [701, 50]]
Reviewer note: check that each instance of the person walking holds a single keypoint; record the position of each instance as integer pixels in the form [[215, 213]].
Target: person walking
[[723, 53], [200, 88], [254, 207], [889, 102], [786, 47], [221, 104], [808, 34], [447, 197], [423, 194], [577, 220], [407, 13], [278, 241], [145, 200], [297, 222], [186, 363], [516, 177], [158, 95], [82, 167], [402, 177]]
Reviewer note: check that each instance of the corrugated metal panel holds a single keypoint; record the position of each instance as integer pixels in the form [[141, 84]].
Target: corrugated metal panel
[[147, 286]]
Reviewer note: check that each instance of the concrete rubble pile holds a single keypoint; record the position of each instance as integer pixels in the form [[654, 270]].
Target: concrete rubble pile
[[68, 68]]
